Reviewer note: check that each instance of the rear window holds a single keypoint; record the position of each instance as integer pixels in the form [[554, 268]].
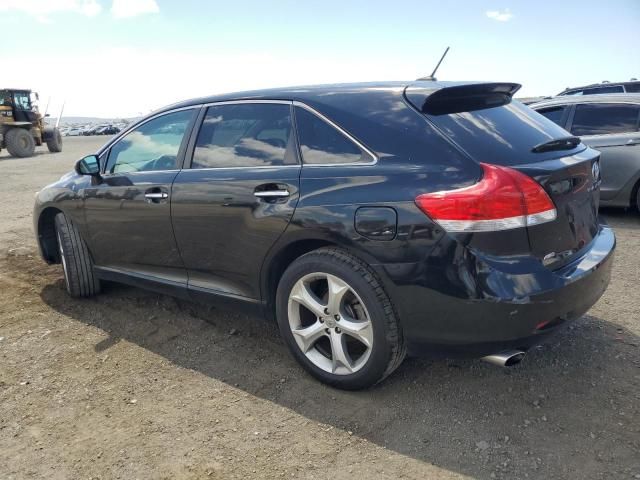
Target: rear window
[[503, 135], [605, 118]]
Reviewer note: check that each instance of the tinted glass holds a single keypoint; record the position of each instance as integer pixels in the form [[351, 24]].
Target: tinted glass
[[22, 101], [501, 135], [245, 135], [554, 114], [152, 146], [600, 90], [602, 119], [632, 87], [321, 143]]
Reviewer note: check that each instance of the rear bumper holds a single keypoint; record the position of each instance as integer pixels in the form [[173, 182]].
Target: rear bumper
[[484, 305]]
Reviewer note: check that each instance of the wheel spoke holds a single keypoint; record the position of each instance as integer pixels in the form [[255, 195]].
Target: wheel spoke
[[307, 298], [337, 291], [339, 355], [306, 337], [360, 330]]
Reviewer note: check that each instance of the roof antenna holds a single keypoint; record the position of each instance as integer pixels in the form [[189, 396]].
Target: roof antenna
[[432, 77]]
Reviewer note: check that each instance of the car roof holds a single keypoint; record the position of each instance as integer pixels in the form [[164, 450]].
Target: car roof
[[315, 93], [602, 84], [598, 98]]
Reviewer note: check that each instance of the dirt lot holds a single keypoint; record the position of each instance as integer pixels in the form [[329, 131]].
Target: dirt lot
[[137, 385]]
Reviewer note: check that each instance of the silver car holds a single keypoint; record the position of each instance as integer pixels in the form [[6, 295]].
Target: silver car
[[608, 123]]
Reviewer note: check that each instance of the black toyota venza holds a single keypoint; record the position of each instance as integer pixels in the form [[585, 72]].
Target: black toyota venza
[[369, 220]]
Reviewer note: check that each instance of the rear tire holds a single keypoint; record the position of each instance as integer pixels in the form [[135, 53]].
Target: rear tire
[[351, 338], [79, 277], [54, 144], [20, 143]]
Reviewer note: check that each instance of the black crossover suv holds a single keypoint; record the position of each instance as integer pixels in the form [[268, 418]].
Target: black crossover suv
[[370, 220]]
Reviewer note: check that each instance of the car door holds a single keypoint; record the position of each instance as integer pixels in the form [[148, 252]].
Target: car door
[[127, 209], [611, 128], [237, 196]]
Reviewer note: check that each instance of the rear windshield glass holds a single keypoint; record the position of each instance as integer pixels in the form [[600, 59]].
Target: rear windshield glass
[[503, 135]]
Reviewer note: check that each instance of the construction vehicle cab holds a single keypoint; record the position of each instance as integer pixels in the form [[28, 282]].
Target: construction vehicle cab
[[22, 127]]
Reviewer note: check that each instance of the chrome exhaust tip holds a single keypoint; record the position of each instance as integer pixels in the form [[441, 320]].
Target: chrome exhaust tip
[[505, 359]]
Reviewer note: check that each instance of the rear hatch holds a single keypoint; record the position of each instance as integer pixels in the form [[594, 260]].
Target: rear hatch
[[484, 122]]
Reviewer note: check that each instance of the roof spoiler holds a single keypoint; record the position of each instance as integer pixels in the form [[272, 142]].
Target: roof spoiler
[[461, 98]]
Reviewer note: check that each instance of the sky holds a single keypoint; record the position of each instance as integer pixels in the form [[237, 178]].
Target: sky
[[123, 58]]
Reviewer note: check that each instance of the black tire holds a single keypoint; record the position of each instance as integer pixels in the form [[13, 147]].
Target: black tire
[[54, 143], [77, 264], [20, 143], [387, 349]]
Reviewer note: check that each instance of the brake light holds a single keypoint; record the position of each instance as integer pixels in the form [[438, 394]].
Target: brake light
[[503, 199]]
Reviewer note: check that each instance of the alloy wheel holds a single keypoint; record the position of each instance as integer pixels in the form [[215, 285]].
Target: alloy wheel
[[330, 323]]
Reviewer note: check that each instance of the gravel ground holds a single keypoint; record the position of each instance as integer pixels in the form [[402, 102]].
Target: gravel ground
[[133, 384]]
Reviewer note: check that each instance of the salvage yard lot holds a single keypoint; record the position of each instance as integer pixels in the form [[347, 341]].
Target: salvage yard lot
[[133, 384]]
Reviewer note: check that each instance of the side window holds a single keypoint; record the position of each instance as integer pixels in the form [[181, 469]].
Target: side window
[[245, 135], [555, 114], [152, 146], [605, 118], [600, 90], [321, 143]]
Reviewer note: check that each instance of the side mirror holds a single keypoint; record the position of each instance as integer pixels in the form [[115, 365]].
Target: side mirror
[[88, 166]]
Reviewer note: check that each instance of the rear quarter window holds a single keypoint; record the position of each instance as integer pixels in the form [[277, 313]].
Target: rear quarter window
[[555, 114], [323, 144]]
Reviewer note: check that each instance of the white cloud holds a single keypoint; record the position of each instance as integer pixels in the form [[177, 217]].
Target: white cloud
[[41, 9], [501, 16], [132, 8]]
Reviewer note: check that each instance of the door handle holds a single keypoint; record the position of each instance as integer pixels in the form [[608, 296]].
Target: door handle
[[156, 195], [272, 193]]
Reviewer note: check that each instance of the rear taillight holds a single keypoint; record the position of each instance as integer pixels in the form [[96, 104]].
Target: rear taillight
[[503, 199]]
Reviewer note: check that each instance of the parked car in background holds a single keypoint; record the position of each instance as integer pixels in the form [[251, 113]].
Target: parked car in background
[[107, 130], [632, 86], [370, 220], [92, 130], [610, 124], [73, 132]]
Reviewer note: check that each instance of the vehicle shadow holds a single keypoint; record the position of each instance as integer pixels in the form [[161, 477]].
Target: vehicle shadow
[[556, 414]]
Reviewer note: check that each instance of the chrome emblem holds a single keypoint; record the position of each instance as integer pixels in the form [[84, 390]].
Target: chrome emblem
[[595, 170]]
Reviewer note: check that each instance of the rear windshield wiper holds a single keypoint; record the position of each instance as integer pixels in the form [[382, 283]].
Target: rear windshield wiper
[[565, 143]]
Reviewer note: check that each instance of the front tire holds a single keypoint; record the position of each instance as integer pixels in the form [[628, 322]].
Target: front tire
[[54, 143], [338, 321], [20, 143], [79, 277]]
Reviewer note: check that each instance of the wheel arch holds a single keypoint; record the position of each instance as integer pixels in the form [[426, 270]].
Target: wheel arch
[[46, 235], [284, 253]]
